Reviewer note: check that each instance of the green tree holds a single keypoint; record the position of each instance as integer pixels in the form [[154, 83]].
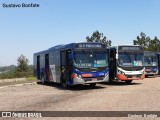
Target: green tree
[[142, 40], [22, 64], [98, 37], [147, 43], [154, 45]]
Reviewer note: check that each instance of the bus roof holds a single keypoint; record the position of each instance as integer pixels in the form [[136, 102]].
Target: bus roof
[[123, 45], [67, 46]]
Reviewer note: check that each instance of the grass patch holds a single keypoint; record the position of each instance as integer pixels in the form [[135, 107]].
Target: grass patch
[[31, 78]]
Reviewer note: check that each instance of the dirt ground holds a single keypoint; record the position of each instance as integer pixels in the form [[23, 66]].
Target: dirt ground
[[141, 95]]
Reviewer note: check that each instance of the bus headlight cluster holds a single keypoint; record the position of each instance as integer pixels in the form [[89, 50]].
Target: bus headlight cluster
[[120, 72], [79, 76], [75, 75]]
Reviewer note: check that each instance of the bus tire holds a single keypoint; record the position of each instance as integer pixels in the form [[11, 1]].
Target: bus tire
[[92, 84], [63, 82], [42, 79], [128, 81], [111, 81], [64, 85]]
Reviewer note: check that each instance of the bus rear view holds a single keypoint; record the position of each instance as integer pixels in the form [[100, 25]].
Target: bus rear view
[[126, 63]]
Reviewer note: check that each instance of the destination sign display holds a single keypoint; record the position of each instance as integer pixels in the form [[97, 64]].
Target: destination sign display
[[89, 45], [132, 48], [149, 53]]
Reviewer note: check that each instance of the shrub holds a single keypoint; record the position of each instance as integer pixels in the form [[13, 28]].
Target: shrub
[[17, 74]]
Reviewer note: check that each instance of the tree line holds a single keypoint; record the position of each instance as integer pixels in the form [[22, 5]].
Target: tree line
[[147, 43], [143, 40]]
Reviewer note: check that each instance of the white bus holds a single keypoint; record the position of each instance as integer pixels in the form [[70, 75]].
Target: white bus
[[126, 63]]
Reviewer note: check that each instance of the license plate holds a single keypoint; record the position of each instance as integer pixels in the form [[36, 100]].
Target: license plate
[[94, 79], [134, 77], [148, 70]]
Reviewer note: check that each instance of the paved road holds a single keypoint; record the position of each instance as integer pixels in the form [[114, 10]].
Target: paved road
[[141, 95]]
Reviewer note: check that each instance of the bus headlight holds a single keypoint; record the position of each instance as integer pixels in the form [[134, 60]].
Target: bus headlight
[[74, 75], [120, 72], [79, 76]]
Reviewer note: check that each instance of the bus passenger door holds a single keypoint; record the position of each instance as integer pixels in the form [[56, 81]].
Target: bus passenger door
[[47, 67], [112, 64], [158, 64], [38, 67], [65, 65]]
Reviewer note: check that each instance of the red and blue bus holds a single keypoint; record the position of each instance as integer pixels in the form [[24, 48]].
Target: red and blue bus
[[75, 63]]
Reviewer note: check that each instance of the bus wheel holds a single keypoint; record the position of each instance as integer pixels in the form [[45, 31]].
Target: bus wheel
[[42, 79], [128, 81], [64, 85], [92, 84]]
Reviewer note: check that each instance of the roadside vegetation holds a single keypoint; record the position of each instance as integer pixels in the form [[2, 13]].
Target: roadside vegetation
[[20, 71]]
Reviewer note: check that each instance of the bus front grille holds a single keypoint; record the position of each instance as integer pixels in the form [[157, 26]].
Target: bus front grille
[[93, 79], [131, 76]]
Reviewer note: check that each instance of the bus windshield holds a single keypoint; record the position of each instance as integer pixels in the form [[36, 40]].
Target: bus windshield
[[150, 61], [90, 59], [128, 59]]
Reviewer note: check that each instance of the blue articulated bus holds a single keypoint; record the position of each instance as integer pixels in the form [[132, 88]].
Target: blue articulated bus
[[150, 63], [75, 63]]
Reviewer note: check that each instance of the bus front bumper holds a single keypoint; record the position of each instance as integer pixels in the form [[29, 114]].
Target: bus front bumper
[[130, 77], [78, 80], [151, 73]]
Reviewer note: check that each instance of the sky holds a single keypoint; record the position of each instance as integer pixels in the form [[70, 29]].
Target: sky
[[29, 30]]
